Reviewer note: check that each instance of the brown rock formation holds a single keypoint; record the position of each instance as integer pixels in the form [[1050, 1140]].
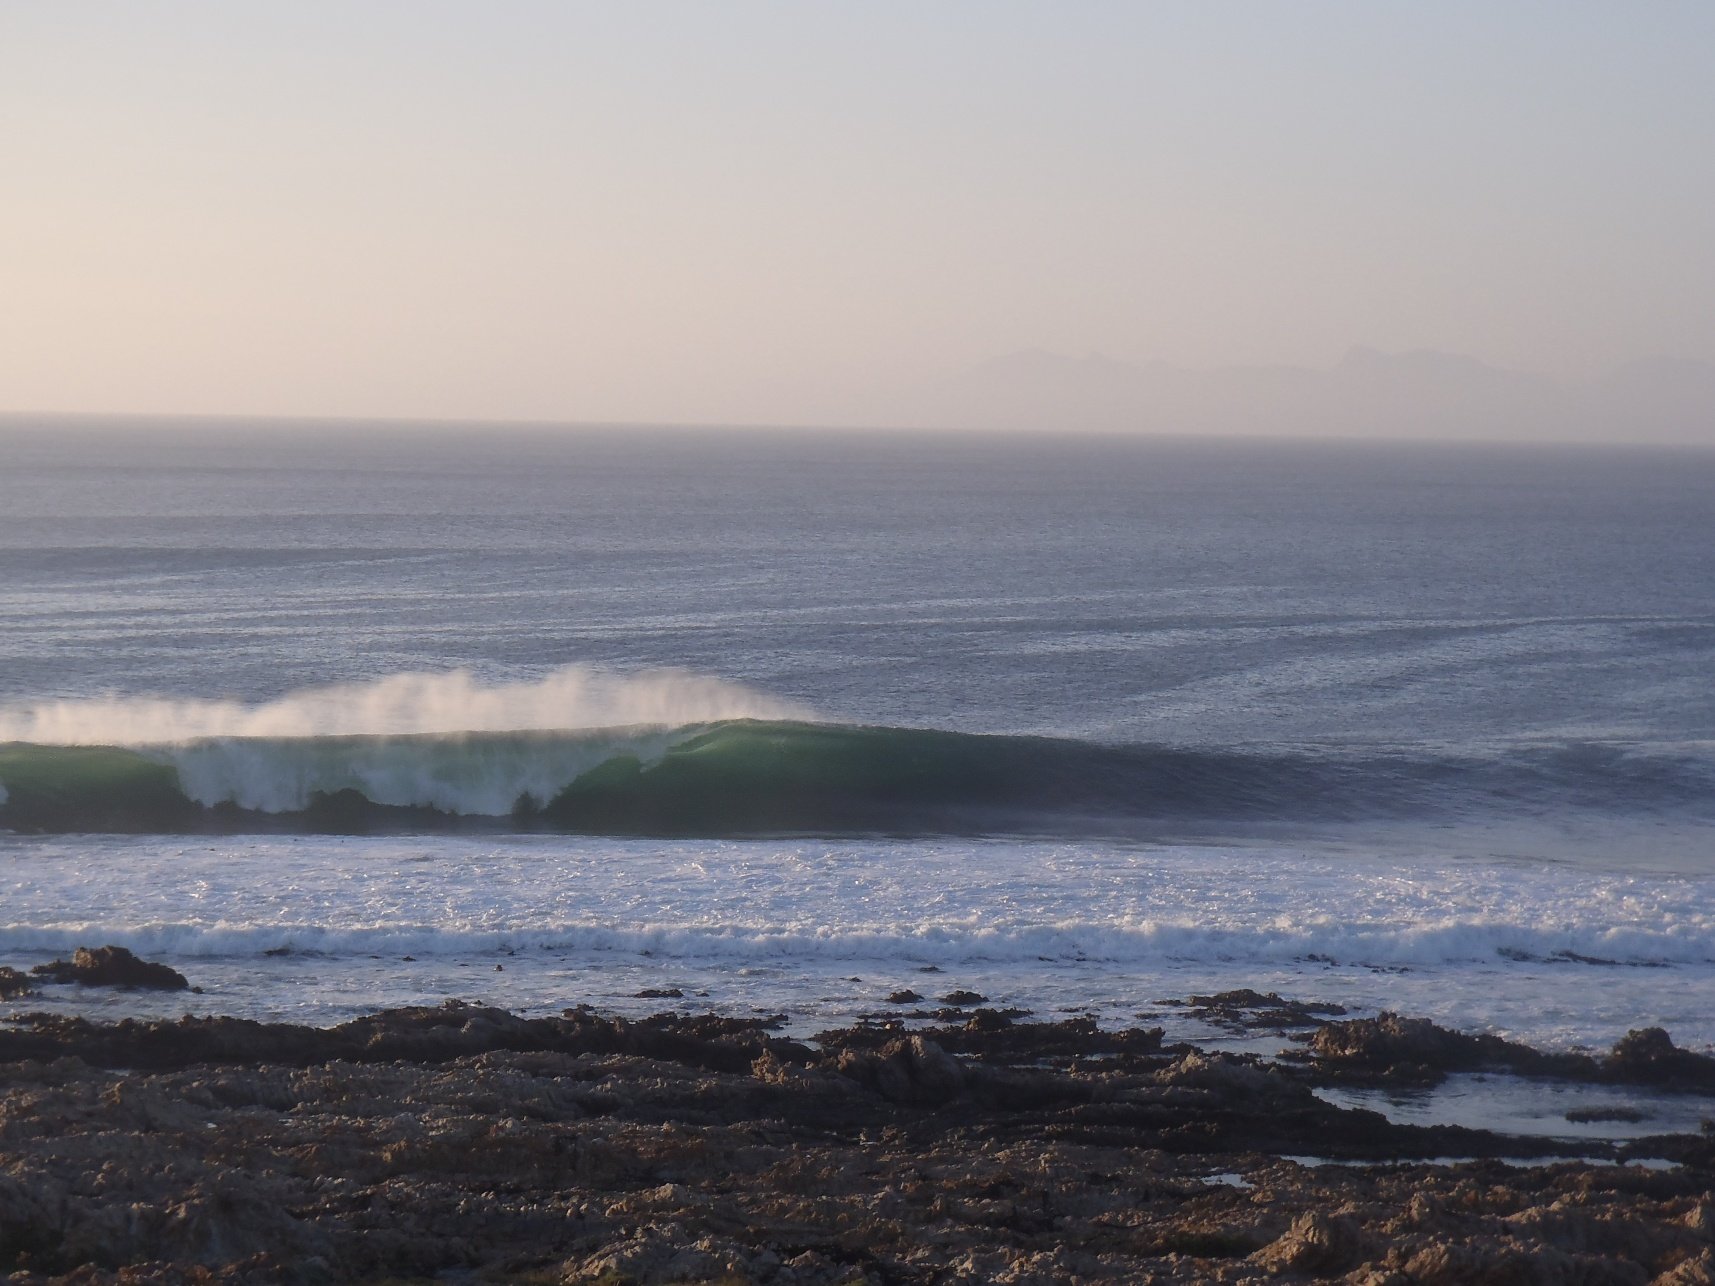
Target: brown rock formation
[[473, 1143], [112, 967]]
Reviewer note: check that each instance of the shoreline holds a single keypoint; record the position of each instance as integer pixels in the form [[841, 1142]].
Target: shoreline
[[1560, 956], [468, 1141]]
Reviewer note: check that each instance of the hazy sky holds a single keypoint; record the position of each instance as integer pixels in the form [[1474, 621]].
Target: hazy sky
[[767, 211]]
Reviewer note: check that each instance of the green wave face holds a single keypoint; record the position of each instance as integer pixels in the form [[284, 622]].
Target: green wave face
[[724, 779], [754, 778], [91, 788], [749, 778]]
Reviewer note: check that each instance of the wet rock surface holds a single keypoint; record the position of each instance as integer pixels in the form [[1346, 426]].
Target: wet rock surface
[[1247, 1010], [1649, 1057], [14, 984], [473, 1144], [112, 967], [1390, 1049], [996, 1036], [961, 999]]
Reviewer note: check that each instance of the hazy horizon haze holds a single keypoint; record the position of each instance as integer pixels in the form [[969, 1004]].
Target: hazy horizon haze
[[766, 213]]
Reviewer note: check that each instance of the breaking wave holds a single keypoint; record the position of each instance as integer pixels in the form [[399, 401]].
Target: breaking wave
[[450, 703], [752, 777]]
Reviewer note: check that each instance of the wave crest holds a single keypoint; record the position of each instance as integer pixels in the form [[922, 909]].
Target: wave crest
[[769, 777], [571, 698]]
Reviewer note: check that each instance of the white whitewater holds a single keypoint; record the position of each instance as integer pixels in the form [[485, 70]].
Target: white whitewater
[[570, 698], [1555, 954]]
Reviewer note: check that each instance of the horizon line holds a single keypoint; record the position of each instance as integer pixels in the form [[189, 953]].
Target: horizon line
[[215, 419]]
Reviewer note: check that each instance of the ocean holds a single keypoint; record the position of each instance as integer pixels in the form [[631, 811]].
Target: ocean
[[334, 717]]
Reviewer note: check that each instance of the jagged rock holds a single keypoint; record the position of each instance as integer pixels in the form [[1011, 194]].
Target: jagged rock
[[652, 1257], [112, 967], [13, 984], [1690, 1272], [1453, 1264], [991, 1035], [1217, 1072], [1415, 1050], [1245, 1009], [912, 1070], [460, 1142], [1649, 1057], [1318, 1244], [1389, 1047], [905, 996]]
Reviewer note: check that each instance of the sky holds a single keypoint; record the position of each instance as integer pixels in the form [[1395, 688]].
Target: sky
[[790, 212]]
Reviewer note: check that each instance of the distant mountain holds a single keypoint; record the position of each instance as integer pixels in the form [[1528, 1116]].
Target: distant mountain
[[1368, 393]]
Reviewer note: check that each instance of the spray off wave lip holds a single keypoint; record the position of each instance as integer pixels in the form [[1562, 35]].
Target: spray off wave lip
[[754, 777], [451, 702]]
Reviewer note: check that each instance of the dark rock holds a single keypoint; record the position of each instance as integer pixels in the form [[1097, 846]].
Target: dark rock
[[13, 984], [1390, 1048], [947, 1014], [112, 967], [1588, 1115], [1202, 1242], [1244, 1010], [963, 998], [465, 1143], [906, 996], [660, 993], [1649, 1057], [1690, 1272], [425, 1034], [992, 1036], [1696, 1152], [912, 1070]]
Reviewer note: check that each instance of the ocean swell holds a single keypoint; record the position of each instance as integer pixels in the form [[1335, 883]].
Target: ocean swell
[[749, 777]]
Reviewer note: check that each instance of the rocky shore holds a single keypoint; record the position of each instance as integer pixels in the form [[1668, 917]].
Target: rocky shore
[[462, 1143]]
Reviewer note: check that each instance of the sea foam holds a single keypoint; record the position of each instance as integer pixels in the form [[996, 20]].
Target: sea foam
[[571, 698], [314, 926]]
